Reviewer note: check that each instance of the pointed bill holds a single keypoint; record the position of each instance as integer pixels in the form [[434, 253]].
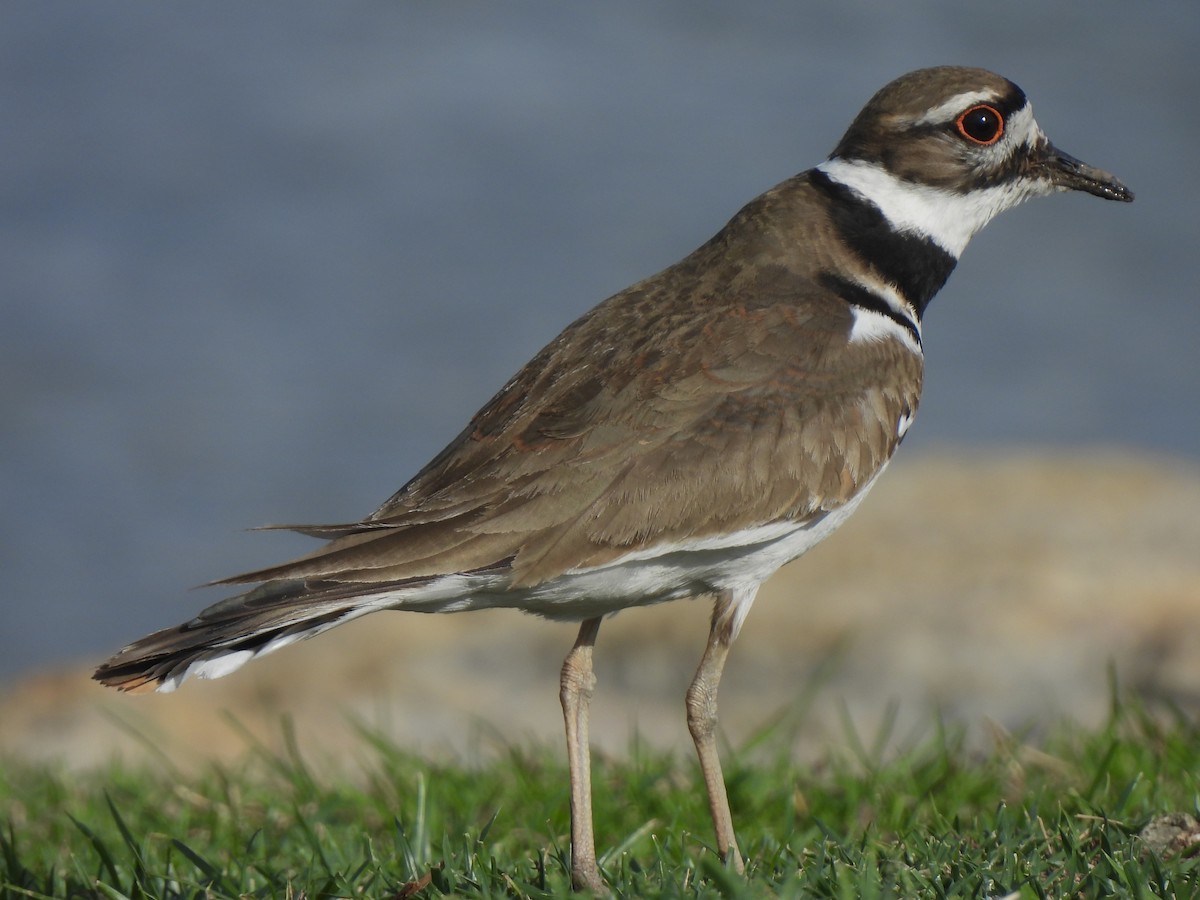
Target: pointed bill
[[1069, 173]]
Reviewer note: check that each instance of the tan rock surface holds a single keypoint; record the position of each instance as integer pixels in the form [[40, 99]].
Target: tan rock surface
[[987, 587]]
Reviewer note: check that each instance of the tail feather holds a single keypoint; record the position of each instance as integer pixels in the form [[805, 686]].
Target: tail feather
[[234, 631]]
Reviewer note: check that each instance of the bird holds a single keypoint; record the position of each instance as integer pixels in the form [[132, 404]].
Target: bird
[[685, 437]]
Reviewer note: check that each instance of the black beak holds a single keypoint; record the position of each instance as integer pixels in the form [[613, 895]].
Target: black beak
[[1068, 173]]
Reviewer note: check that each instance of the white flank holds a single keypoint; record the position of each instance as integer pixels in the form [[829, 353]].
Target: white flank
[[738, 562]]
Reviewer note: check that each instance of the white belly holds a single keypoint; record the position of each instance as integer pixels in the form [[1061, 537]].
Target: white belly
[[738, 562]]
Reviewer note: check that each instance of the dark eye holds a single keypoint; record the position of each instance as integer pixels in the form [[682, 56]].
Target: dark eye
[[981, 125]]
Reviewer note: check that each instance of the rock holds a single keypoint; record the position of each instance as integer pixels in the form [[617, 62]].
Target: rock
[[1171, 834]]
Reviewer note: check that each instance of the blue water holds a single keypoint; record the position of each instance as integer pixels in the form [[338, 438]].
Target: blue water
[[259, 261]]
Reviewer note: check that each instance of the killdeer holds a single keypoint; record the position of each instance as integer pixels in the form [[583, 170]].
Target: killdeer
[[686, 437]]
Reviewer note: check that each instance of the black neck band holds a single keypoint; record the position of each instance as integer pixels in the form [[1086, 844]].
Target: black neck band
[[916, 265]]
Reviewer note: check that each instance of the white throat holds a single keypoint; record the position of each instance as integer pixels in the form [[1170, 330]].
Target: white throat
[[947, 218]]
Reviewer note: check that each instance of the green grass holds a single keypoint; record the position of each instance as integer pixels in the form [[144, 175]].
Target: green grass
[[933, 821]]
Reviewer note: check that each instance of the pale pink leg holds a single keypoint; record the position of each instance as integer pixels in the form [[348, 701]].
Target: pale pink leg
[[702, 722], [575, 690]]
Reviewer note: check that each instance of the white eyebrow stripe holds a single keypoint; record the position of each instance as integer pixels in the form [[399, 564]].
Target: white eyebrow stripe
[[947, 111]]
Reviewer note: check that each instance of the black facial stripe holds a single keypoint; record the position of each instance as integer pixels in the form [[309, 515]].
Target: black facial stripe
[[1009, 103], [887, 148], [857, 295], [1009, 169], [916, 265]]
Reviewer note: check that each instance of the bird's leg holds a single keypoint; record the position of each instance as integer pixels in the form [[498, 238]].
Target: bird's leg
[[702, 723], [575, 691]]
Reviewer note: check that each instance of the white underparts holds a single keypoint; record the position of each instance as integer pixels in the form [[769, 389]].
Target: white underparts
[[737, 563]]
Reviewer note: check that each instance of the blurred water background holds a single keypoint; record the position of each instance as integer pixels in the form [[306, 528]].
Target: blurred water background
[[259, 261]]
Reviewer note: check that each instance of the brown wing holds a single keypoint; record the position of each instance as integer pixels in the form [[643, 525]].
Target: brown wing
[[679, 409]]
